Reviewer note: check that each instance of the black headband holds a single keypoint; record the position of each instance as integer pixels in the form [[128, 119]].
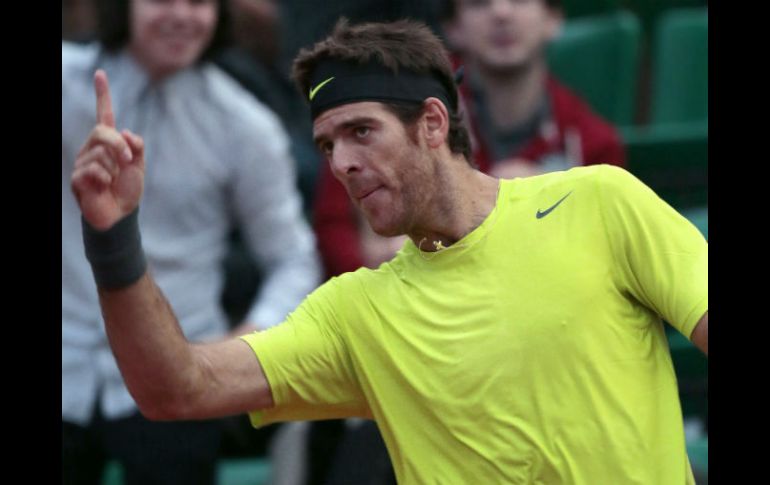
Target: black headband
[[334, 83]]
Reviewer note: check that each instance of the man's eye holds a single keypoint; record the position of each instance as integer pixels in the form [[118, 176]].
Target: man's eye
[[326, 149], [361, 131]]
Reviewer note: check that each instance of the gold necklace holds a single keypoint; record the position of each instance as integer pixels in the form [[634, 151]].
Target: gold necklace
[[440, 245]]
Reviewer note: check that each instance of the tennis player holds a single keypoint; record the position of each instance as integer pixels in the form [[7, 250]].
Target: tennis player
[[517, 336]]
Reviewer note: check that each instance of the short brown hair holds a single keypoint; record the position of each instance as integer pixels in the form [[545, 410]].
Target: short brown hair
[[402, 44]]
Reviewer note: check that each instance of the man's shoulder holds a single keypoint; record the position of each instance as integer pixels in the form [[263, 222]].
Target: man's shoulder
[[604, 175], [610, 182], [339, 295], [588, 174], [365, 279], [357, 278], [602, 178]]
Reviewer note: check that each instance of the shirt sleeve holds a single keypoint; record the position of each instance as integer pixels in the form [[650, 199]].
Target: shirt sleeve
[[307, 364], [662, 258]]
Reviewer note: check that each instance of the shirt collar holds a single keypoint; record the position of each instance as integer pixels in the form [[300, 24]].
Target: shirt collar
[[130, 82]]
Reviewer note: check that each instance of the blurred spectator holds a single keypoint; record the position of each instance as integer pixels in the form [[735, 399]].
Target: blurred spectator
[[254, 61], [256, 28], [216, 159], [525, 122]]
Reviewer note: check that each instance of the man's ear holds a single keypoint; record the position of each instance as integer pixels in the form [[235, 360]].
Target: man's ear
[[435, 121]]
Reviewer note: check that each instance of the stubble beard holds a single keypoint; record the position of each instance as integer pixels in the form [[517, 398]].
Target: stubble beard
[[414, 196]]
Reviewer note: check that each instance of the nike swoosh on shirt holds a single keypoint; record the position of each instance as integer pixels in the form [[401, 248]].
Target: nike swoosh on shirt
[[540, 214], [314, 91]]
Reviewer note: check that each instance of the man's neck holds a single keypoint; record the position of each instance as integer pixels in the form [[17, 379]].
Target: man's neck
[[466, 198], [512, 97]]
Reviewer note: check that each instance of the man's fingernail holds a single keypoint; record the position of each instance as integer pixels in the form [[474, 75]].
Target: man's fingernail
[[127, 155]]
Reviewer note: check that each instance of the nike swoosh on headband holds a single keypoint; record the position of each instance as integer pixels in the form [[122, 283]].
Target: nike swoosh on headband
[[314, 90]]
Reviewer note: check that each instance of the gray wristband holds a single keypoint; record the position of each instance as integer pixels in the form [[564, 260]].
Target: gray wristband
[[116, 255]]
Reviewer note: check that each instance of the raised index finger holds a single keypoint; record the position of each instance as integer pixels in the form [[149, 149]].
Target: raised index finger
[[103, 102]]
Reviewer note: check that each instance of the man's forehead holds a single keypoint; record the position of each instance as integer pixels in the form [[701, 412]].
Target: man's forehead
[[339, 115]]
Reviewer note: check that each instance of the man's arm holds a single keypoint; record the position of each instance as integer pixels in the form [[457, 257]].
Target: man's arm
[[700, 336], [168, 377], [662, 259]]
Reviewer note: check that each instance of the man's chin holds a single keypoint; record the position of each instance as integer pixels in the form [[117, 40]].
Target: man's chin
[[503, 67], [384, 230]]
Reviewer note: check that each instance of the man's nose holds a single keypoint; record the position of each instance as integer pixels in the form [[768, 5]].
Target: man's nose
[[343, 161]]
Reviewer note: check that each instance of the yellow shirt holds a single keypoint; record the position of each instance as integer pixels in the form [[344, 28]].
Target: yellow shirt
[[531, 351]]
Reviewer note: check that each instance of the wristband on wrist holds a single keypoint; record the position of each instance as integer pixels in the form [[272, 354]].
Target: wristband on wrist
[[116, 255]]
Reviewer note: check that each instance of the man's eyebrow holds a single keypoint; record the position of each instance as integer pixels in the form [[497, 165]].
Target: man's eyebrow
[[358, 120]]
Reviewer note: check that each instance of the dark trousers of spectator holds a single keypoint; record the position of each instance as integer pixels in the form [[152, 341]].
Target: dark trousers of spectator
[[339, 455], [151, 453]]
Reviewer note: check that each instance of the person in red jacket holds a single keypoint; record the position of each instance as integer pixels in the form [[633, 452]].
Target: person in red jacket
[[524, 122]]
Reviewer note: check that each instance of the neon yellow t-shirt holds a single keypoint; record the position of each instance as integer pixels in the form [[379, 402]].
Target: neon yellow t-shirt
[[531, 351]]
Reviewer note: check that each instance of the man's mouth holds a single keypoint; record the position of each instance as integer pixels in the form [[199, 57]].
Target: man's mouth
[[361, 195]]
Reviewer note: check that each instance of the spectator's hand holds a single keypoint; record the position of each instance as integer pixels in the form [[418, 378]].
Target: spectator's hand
[[108, 179], [514, 168]]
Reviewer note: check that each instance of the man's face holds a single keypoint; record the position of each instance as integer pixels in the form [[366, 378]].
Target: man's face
[[169, 35], [384, 169], [504, 34]]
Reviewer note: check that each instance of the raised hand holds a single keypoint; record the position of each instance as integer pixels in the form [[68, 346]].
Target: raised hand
[[108, 178]]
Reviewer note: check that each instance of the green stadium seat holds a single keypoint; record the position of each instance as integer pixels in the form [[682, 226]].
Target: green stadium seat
[[680, 67], [649, 11], [699, 216], [113, 473], [241, 471], [244, 471], [698, 452], [673, 160], [580, 8], [598, 58]]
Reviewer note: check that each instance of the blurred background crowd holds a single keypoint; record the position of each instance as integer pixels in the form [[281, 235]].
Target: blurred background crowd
[[242, 218]]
